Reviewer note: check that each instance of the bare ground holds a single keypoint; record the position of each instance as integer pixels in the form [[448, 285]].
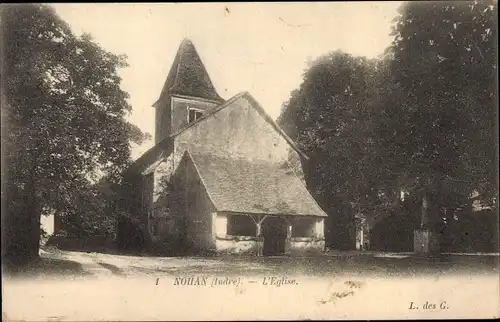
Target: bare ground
[[82, 264], [66, 285]]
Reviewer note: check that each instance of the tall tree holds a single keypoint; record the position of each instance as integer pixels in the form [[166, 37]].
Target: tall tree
[[331, 117], [63, 121], [440, 131]]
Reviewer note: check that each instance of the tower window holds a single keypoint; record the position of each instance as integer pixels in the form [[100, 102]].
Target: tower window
[[194, 114]]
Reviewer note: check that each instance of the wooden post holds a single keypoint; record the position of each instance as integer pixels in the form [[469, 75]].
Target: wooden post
[[258, 225], [288, 236], [258, 233], [361, 237]]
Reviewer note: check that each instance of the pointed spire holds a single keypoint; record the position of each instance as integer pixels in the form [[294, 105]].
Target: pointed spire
[[188, 75]]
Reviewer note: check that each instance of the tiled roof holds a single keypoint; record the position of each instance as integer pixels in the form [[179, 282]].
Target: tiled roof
[[248, 186], [188, 75]]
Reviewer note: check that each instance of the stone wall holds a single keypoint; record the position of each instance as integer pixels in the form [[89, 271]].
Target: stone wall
[[303, 246], [239, 245], [198, 211], [163, 122], [180, 111], [237, 130]]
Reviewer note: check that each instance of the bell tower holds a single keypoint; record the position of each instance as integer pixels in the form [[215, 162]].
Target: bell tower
[[187, 95]]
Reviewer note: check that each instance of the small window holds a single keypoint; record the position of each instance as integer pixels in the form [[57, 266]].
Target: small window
[[194, 114]]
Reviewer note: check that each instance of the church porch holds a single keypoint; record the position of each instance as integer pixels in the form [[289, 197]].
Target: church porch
[[268, 235]]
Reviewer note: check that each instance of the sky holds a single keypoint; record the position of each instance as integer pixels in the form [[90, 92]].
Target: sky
[[262, 48]]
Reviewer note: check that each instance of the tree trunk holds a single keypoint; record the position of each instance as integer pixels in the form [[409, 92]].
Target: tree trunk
[[424, 219], [33, 229], [22, 231], [33, 235], [425, 239]]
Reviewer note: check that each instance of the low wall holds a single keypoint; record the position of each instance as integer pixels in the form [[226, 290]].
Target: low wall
[[239, 245], [253, 246], [303, 246]]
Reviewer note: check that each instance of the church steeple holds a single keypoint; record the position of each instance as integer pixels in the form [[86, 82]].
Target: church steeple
[[188, 75], [188, 90]]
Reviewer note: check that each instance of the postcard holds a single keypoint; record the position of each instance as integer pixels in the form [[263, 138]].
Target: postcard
[[250, 161]]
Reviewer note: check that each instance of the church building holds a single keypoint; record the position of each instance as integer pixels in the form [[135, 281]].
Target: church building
[[222, 177]]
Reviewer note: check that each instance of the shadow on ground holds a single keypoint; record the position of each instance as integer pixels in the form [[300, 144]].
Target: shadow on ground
[[112, 268], [45, 266], [75, 264]]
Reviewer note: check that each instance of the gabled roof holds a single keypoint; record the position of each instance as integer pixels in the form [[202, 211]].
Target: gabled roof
[[152, 157], [163, 148], [253, 187], [188, 76], [260, 110]]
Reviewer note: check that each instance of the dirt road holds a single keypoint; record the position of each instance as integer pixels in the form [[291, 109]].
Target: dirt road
[[90, 286]]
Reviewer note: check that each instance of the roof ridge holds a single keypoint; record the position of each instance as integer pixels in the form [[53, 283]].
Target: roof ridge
[[180, 52], [260, 110], [277, 127], [221, 107], [215, 110]]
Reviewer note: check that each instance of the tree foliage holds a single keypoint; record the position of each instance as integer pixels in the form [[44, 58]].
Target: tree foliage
[[331, 117], [63, 117], [440, 129], [421, 119]]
